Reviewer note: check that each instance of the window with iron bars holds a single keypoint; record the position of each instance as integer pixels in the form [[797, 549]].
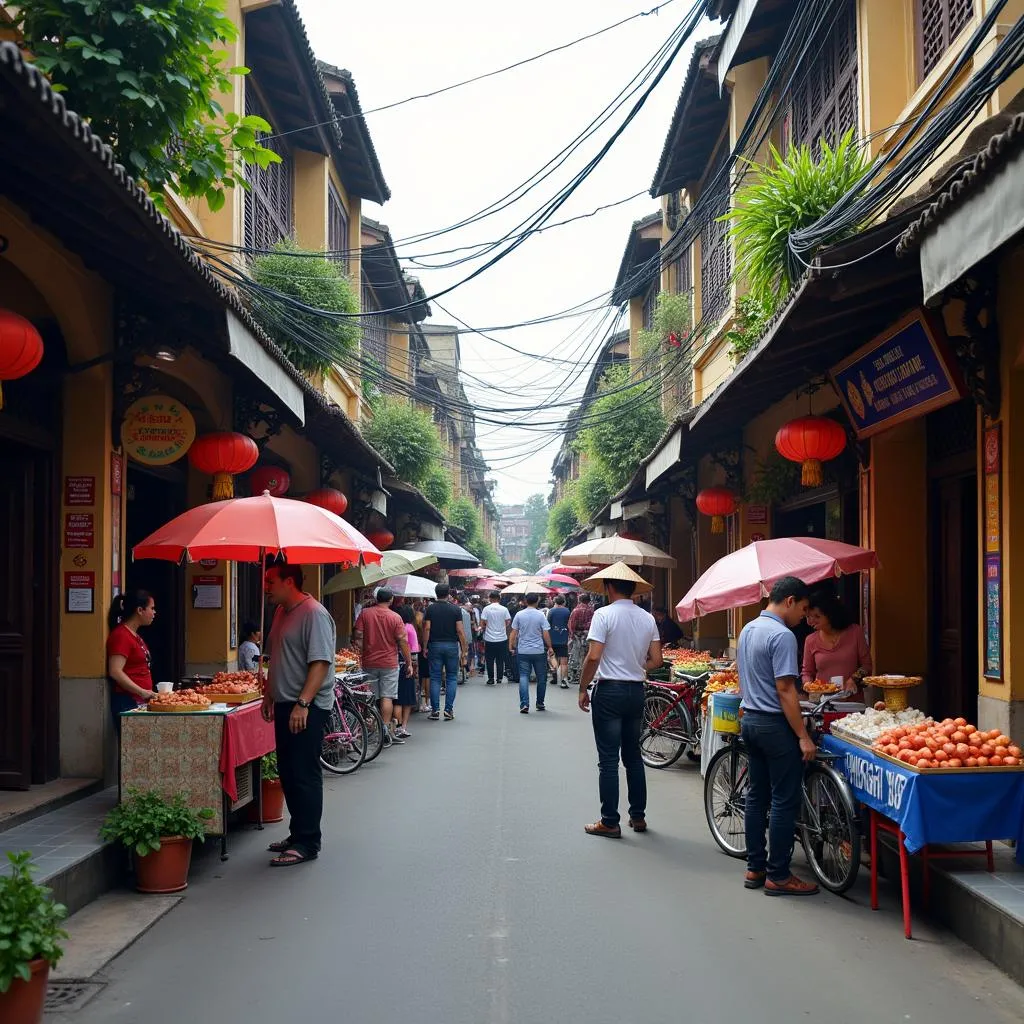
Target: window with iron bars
[[375, 328], [823, 103], [716, 253], [267, 203], [939, 22], [650, 305], [337, 227], [679, 393]]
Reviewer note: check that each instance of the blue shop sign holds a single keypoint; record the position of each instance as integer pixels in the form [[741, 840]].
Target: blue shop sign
[[904, 373]]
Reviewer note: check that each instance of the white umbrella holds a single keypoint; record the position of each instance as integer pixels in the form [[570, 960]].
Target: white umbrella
[[609, 550], [410, 586]]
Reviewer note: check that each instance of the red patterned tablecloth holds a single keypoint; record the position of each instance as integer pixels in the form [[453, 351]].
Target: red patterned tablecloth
[[246, 737]]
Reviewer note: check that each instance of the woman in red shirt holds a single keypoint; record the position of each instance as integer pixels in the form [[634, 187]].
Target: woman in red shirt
[[128, 658], [837, 646]]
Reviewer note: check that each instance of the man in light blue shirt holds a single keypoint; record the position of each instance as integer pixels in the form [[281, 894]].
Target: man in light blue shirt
[[776, 738], [529, 640]]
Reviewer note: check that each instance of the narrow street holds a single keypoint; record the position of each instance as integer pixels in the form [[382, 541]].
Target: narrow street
[[457, 885]]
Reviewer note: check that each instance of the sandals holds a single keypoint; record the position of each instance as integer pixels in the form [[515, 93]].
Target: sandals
[[290, 857], [280, 846]]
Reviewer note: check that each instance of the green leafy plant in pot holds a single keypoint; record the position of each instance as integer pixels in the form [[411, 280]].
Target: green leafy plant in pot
[[159, 832], [30, 937]]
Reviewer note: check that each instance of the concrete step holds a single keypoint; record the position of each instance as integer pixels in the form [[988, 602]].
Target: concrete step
[[67, 852], [19, 806]]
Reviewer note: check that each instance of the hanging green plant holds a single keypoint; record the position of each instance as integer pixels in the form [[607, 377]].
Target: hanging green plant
[[406, 437], [591, 492], [670, 328], [562, 522], [788, 194], [748, 326]]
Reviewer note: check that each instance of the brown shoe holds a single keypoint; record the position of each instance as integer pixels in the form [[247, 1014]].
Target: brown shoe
[[599, 828], [792, 886], [638, 824], [754, 880]]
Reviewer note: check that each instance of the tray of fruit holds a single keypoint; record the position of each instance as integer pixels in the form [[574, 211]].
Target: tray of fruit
[[727, 681], [232, 688], [180, 701], [952, 745], [821, 688]]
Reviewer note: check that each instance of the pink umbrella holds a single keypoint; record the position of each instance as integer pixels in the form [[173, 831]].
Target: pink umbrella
[[479, 573], [488, 584], [552, 578], [746, 576], [574, 570]]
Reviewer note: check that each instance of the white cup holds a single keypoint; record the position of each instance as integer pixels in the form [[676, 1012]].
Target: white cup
[[164, 687]]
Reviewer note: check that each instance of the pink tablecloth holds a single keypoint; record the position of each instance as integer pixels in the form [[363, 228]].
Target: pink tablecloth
[[246, 737]]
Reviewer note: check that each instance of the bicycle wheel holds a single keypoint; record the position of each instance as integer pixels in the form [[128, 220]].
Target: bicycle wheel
[[725, 790], [663, 746], [344, 745], [828, 829], [373, 724]]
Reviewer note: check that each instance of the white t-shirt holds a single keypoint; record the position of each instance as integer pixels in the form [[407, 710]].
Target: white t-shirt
[[495, 616], [627, 633]]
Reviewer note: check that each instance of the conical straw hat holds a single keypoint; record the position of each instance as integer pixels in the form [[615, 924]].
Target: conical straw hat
[[617, 571]]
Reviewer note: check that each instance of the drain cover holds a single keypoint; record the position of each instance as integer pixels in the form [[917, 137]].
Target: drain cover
[[62, 996]]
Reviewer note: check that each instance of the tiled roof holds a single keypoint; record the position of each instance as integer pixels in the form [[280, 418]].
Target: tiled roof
[[627, 283], [34, 88]]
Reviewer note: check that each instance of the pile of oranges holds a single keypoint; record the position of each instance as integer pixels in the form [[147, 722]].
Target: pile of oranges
[[951, 743], [232, 682], [180, 699]]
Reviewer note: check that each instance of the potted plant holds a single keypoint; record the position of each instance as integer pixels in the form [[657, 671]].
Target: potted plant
[[271, 793], [30, 934], [160, 833]]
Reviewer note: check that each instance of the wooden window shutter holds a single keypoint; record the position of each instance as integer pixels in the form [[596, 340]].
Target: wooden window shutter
[[939, 22]]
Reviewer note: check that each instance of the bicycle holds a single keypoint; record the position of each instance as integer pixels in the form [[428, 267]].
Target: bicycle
[[343, 748], [363, 701], [826, 822], [672, 721]]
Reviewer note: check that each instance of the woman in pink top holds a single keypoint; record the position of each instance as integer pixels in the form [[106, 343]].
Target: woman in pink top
[[836, 647], [407, 684]]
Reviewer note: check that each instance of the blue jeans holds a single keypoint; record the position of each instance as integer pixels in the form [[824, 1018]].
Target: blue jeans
[[443, 654], [617, 712], [539, 664], [776, 778]]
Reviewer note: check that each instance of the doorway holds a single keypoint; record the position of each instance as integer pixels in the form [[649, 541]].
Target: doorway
[[154, 497]]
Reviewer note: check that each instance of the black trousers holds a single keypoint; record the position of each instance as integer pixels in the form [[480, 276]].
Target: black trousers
[[302, 778], [495, 654]]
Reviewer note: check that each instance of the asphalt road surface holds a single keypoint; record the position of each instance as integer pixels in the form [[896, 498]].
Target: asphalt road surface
[[456, 885]]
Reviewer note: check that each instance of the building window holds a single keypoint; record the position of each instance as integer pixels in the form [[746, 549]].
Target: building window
[[939, 22], [267, 203], [683, 271], [824, 101], [650, 306], [375, 329], [337, 226], [716, 252]]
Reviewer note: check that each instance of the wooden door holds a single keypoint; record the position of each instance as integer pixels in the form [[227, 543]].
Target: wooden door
[[953, 684], [17, 669]]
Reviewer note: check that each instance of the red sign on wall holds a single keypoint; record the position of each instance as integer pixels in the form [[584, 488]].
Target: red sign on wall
[[79, 490], [116, 473], [79, 530], [757, 515]]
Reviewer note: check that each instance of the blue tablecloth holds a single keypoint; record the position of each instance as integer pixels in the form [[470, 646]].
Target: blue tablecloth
[[936, 807]]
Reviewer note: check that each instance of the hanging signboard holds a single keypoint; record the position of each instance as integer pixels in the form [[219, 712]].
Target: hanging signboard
[[157, 430], [993, 553], [904, 373]]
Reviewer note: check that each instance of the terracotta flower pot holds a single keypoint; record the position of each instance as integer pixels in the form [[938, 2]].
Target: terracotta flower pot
[[166, 869], [273, 801], [23, 1002]]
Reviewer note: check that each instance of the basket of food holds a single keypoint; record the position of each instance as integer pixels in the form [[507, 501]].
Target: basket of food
[[179, 701], [894, 689], [818, 688], [233, 688]]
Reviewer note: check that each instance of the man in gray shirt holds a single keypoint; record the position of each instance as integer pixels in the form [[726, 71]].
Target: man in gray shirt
[[528, 641], [299, 698], [776, 738]]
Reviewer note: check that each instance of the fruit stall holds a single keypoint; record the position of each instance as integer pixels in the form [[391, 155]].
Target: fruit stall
[[204, 741], [930, 784]]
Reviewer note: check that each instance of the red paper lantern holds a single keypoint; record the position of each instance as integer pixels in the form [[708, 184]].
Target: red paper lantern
[[717, 502], [21, 347], [329, 498], [381, 539], [270, 478], [223, 456], [810, 440]]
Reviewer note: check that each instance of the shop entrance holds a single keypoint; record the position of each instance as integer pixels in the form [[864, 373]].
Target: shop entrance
[[154, 497], [953, 559]]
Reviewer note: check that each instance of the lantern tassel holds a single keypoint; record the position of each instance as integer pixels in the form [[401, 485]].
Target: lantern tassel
[[1, 396], [223, 486], [811, 475], [717, 524]]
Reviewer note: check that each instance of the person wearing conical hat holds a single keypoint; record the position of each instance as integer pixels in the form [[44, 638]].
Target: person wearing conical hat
[[624, 647]]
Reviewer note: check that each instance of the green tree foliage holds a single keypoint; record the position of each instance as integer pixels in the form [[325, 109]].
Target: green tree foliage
[[536, 510], [591, 491], [673, 315], [147, 77], [562, 522], [748, 326], [463, 514], [437, 486], [625, 424], [310, 341], [406, 437], [785, 195]]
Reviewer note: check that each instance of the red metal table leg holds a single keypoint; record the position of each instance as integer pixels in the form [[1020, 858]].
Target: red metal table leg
[[874, 859], [904, 882], [927, 886]]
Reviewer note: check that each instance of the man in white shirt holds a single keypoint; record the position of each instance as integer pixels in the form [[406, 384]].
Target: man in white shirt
[[497, 626], [624, 646]]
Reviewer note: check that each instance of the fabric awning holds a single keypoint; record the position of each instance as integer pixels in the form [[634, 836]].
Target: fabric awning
[[243, 346], [666, 456]]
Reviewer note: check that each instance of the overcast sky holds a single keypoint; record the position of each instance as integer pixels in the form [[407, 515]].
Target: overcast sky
[[447, 157]]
